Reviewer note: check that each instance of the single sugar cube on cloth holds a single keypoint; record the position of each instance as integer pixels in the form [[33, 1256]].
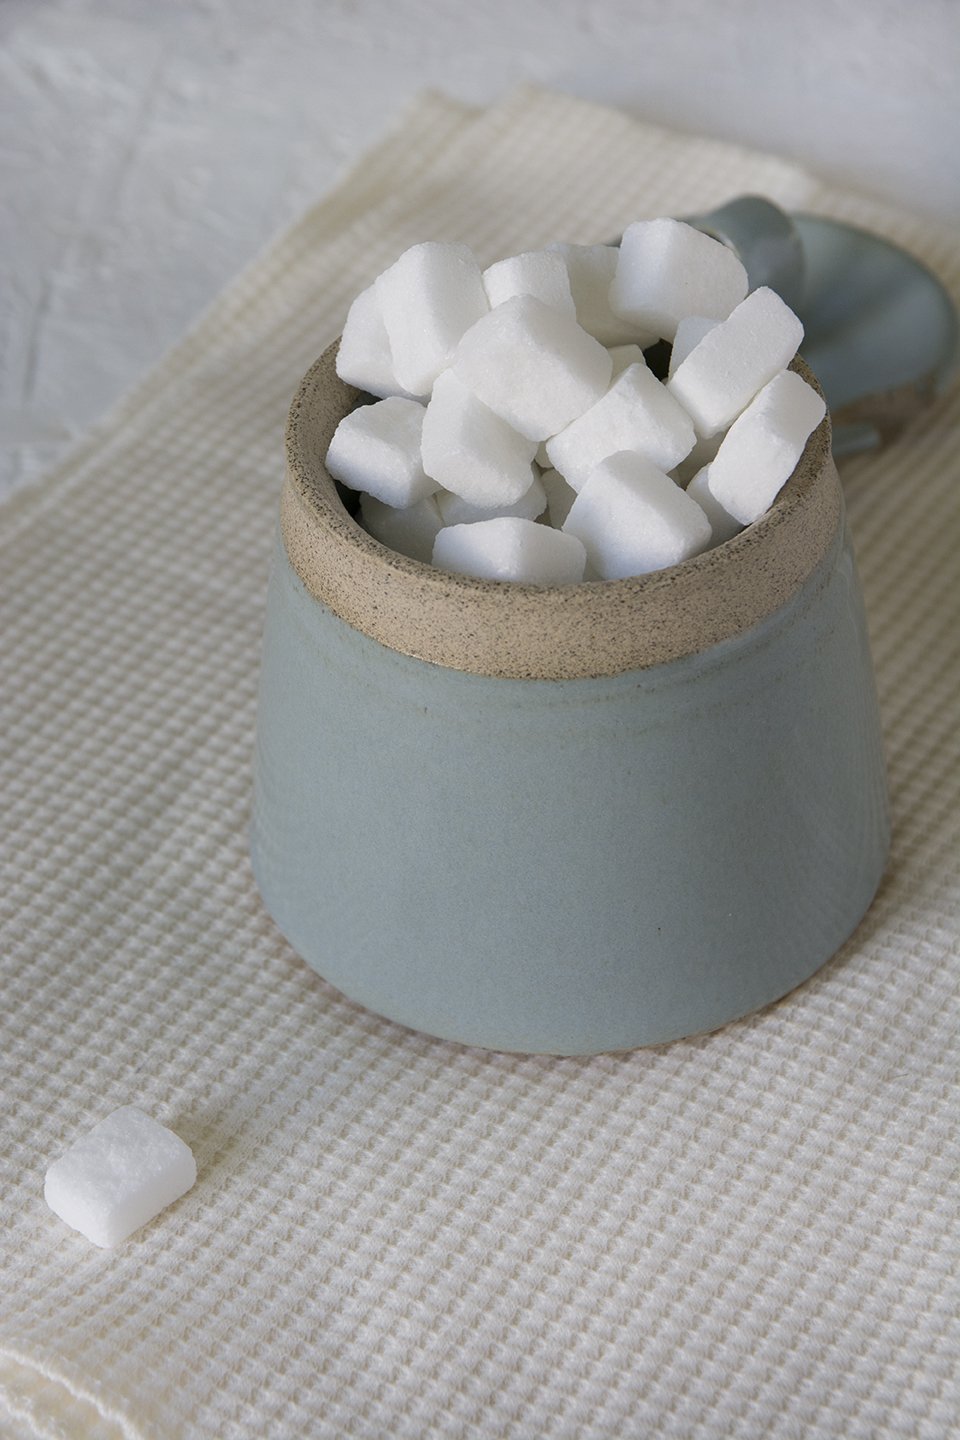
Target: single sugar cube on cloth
[[591, 269], [760, 450], [410, 530], [624, 355], [508, 548], [118, 1176], [428, 298], [722, 374], [722, 523], [364, 358], [637, 413], [533, 365], [376, 448], [632, 518], [560, 496], [472, 451], [454, 510], [667, 270], [689, 334], [540, 273]]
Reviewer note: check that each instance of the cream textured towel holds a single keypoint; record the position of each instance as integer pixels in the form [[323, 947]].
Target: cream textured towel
[[751, 1234]]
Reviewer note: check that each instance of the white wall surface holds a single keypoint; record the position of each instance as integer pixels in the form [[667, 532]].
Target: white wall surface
[[148, 148]]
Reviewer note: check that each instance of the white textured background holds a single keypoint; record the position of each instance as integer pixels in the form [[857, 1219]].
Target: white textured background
[[148, 148]]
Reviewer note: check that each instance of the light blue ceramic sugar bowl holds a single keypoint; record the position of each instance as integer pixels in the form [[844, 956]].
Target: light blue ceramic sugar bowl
[[567, 819]]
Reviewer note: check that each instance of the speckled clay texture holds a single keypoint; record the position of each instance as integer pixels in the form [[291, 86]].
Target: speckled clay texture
[[490, 627]]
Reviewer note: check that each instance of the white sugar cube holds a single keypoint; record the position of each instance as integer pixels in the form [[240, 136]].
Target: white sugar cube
[[722, 523], [690, 332], [667, 270], [761, 449], [637, 413], [533, 365], [511, 549], [540, 273], [376, 448], [410, 531], [560, 496], [429, 297], [469, 449], [725, 370], [120, 1175], [364, 357], [454, 510], [632, 518], [624, 355], [591, 269]]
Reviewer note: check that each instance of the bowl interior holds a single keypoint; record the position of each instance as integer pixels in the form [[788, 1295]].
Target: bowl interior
[[492, 627]]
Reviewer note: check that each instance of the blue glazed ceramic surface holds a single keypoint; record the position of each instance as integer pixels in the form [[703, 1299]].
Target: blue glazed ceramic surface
[[570, 866]]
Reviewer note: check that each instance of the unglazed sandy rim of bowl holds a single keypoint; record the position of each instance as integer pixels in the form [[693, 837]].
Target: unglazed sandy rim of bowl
[[559, 632]]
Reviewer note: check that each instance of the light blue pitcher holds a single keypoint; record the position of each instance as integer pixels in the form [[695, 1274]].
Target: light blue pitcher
[[567, 819]]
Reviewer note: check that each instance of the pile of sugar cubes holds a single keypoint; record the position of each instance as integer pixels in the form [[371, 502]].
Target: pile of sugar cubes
[[520, 433]]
